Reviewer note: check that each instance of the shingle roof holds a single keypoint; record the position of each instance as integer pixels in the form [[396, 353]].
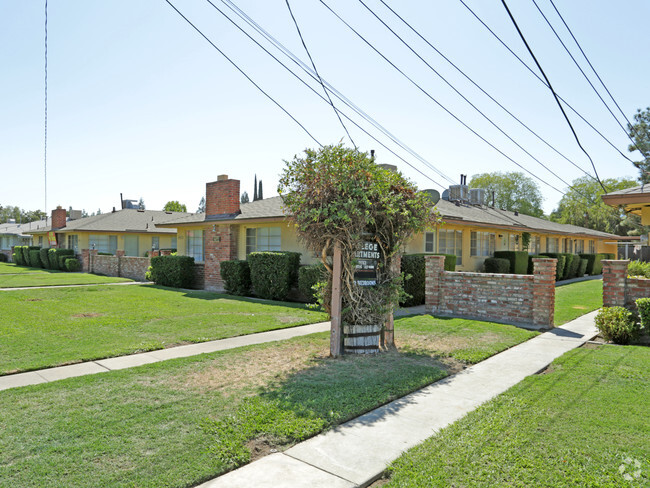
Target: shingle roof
[[635, 190], [272, 207], [125, 220], [22, 229]]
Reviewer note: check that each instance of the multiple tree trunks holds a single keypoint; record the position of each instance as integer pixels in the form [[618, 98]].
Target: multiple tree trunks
[[361, 339]]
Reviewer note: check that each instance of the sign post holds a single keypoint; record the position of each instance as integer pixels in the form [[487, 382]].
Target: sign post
[[336, 342]]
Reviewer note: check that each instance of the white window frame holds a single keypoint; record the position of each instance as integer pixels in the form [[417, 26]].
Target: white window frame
[[194, 240], [263, 239], [482, 243]]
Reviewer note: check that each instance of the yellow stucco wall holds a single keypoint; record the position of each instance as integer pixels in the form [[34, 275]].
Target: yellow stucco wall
[[83, 240]]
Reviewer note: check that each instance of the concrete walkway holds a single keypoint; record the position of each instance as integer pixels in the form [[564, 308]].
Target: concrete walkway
[[122, 362], [357, 452]]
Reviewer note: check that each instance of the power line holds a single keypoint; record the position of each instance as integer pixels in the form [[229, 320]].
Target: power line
[[322, 97], [544, 83], [242, 15], [436, 101], [318, 75], [463, 96], [482, 90], [45, 135], [599, 78], [242, 72], [552, 91]]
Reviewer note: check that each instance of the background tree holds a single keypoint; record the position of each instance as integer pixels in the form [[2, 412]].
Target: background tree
[[140, 205], [512, 191], [19, 215], [244, 198], [174, 206], [640, 133], [201, 208], [582, 205], [337, 195]]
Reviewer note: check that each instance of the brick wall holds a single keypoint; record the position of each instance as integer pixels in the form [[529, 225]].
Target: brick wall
[[133, 267], [521, 299], [618, 289], [199, 276], [106, 265], [119, 265], [59, 216], [222, 196], [220, 245]]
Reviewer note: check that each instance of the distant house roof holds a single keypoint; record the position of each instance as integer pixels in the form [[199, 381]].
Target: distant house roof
[[272, 208], [22, 229], [125, 220], [632, 198]]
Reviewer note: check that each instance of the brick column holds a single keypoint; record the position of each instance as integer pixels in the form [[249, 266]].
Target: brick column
[[85, 260], [544, 291], [614, 282], [433, 292], [119, 254], [220, 245]]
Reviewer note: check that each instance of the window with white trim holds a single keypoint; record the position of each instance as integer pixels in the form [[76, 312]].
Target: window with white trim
[[580, 246], [263, 239], [73, 242], [195, 245], [552, 244], [592, 247], [451, 242], [429, 242], [482, 243]]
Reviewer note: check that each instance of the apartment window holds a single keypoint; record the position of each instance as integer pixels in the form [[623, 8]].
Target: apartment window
[[580, 246], [263, 239], [103, 243], [195, 245], [592, 247], [451, 242], [514, 242], [534, 246], [73, 243], [174, 243], [482, 243], [568, 245], [430, 242], [552, 244], [155, 242]]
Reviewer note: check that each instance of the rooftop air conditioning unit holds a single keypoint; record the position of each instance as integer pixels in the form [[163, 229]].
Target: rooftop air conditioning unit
[[458, 193], [477, 196], [75, 214]]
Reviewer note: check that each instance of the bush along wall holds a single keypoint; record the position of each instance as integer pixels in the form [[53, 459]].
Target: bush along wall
[[294, 265], [27, 256], [308, 277], [45, 262], [582, 268], [518, 260], [497, 265], [72, 264], [413, 267], [18, 256], [271, 274], [35, 258], [531, 266], [236, 276], [561, 263], [62, 255], [173, 271]]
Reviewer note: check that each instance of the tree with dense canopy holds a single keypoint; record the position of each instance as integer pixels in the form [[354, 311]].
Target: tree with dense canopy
[[512, 191], [339, 196], [640, 133], [582, 205], [174, 206]]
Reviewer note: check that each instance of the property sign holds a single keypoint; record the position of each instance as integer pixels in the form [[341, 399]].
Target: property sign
[[51, 236], [367, 257]]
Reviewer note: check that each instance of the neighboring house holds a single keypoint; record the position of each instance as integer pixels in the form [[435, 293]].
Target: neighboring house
[[230, 230], [12, 234], [635, 200], [133, 231]]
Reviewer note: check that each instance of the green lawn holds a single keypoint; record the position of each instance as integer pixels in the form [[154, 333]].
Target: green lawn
[[576, 299], [180, 422], [12, 276], [582, 423], [48, 327]]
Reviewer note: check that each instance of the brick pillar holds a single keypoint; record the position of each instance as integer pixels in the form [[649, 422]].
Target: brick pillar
[[433, 290], [119, 254], [544, 291], [85, 260], [93, 257], [614, 282], [220, 245]]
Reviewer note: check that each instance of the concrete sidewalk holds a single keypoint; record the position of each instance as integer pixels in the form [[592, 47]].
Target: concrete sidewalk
[[357, 452], [122, 362]]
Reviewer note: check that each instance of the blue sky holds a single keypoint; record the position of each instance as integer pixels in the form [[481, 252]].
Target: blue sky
[[139, 103]]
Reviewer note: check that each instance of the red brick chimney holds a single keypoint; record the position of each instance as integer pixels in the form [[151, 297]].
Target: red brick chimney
[[58, 218], [222, 196]]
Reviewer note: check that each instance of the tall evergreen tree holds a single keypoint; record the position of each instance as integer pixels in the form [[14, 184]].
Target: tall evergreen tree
[[255, 189]]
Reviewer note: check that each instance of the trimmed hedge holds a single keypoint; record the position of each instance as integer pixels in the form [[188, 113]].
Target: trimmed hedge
[[18, 257], [594, 265], [643, 306], [44, 261], [518, 260], [35, 258], [561, 263], [173, 271], [62, 255], [582, 268], [236, 276], [414, 265], [308, 276], [26, 255], [497, 265], [271, 274], [574, 266], [530, 268], [72, 264], [294, 265]]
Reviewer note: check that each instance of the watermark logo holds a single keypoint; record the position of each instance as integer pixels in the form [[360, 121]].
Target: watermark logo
[[630, 469]]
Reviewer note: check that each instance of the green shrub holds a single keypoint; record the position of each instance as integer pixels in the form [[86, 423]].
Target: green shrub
[[638, 269], [518, 260], [598, 265], [294, 265], [530, 262], [18, 257], [413, 267], [559, 266], [497, 265], [62, 255], [450, 261], [236, 276], [147, 275], [45, 263], [100, 253], [643, 305], [72, 264], [617, 324], [35, 258], [52, 258], [27, 256], [308, 276], [3, 257], [573, 266], [591, 259], [173, 271], [271, 274], [582, 268]]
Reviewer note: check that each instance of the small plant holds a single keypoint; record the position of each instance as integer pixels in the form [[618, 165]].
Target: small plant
[[308, 278], [72, 265], [638, 269], [643, 305], [616, 324]]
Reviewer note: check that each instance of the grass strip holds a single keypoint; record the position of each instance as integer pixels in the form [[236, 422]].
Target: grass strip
[[576, 299], [582, 423]]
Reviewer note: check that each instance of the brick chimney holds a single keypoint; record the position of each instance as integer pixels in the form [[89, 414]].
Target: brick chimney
[[222, 197], [58, 218]]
